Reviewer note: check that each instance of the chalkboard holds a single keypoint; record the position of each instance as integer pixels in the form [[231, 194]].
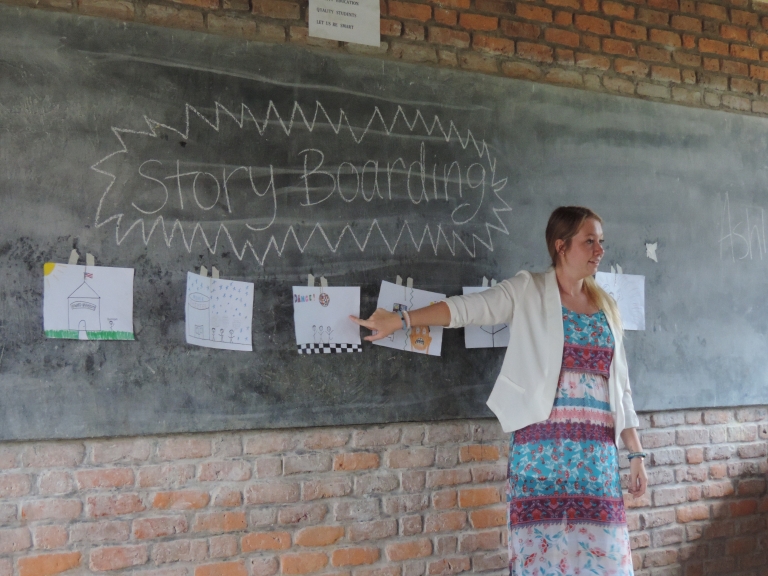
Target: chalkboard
[[166, 150]]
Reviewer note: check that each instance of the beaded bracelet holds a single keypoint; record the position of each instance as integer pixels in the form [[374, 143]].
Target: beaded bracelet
[[407, 318], [636, 455], [402, 319]]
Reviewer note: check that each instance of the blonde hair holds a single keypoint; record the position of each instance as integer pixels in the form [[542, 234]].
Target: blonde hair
[[564, 223]]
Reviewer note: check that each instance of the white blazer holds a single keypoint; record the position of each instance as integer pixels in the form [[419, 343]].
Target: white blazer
[[525, 389]]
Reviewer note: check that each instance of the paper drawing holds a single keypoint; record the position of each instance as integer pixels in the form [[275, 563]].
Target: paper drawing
[[422, 340], [629, 292], [87, 302], [321, 319], [219, 313], [496, 336]]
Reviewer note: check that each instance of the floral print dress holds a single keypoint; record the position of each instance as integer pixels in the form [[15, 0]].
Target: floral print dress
[[566, 512]]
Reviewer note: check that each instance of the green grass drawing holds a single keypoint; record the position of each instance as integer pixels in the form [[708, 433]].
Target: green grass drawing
[[102, 335]]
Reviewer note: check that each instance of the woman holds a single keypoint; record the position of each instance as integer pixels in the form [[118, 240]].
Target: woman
[[564, 392]]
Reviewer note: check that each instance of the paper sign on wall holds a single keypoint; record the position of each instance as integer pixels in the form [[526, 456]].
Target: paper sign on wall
[[496, 336], [629, 292], [218, 313], [321, 319], [87, 302], [422, 340], [355, 21]]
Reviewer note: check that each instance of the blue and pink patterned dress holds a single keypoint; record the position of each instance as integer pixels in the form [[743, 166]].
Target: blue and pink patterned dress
[[566, 512]]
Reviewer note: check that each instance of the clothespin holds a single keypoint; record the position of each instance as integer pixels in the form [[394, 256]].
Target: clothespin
[[89, 260], [73, 257], [310, 281], [399, 281], [215, 273], [203, 271], [618, 269], [323, 282], [485, 282], [409, 282], [493, 281]]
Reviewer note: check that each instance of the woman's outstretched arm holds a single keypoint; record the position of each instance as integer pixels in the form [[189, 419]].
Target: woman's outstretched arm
[[638, 478], [384, 323]]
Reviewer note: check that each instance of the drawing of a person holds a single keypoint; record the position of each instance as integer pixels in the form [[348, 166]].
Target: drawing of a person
[[328, 337], [221, 335], [231, 336], [322, 335], [213, 334], [315, 336]]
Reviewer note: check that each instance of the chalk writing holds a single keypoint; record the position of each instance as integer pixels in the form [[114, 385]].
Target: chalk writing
[[429, 186], [742, 232]]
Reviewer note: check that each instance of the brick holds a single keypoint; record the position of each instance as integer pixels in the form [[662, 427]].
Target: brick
[[488, 518], [711, 11], [520, 29], [495, 7], [225, 471], [592, 61], [718, 489], [165, 475], [376, 530], [48, 537], [639, 540], [207, 4], [618, 47], [718, 434], [9, 457], [272, 493], [410, 11], [743, 85], [448, 566], [229, 445], [667, 419], [743, 507], [520, 70], [563, 18], [655, 558], [445, 545], [671, 5], [448, 37], [325, 439], [711, 64], [158, 527], [326, 488], [572, 4], [375, 483], [102, 531], [653, 54], [262, 566], [474, 497], [270, 443], [714, 47], [410, 525], [306, 463], [359, 510], [486, 562], [495, 473], [51, 509], [537, 13], [491, 45], [665, 74], [179, 551], [104, 478], [756, 450], [717, 416], [745, 52], [444, 499], [400, 551], [117, 557], [14, 485], [718, 452], [48, 564], [120, 451], [302, 514], [565, 38], [665, 37], [14, 540], [489, 540], [535, 52], [438, 478], [751, 487], [376, 437], [411, 458], [619, 10], [631, 31], [235, 568], [223, 546], [276, 9], [737, 33], [49, 455], [226, 497], [653, 17], [481, 63], [219, 522], [354, 556], [303, 563], [447, 17], [390, 27], [181, 500], [688, 436], [750, 414], [687, 24], [262, 541], [445, 521], [478, 22], [758, 72], [592, 24]]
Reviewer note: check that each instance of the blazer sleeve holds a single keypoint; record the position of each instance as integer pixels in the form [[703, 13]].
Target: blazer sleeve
[[630, 416], [493, 306]]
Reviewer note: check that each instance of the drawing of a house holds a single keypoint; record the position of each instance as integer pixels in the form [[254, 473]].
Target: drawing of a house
[[84, 307]]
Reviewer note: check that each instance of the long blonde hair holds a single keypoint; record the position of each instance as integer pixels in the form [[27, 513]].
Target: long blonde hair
[[564, 223]]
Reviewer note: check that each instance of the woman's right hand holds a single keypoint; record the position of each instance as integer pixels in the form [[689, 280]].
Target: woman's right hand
[[381, 322]]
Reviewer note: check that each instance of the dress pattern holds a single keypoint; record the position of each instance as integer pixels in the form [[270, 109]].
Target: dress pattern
[[566, 511]]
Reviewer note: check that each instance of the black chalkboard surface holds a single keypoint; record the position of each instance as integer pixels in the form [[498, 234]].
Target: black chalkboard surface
[[166, 150]]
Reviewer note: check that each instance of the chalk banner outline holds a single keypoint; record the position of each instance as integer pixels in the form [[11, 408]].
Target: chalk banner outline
[[299, 119]]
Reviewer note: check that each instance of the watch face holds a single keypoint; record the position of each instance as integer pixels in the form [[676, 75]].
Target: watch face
[[324, 299]]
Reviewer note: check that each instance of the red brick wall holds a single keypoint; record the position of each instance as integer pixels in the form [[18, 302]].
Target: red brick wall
[[709, 54], [403, 499]]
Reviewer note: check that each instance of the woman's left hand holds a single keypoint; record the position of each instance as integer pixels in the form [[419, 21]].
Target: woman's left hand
[[638, 479]]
